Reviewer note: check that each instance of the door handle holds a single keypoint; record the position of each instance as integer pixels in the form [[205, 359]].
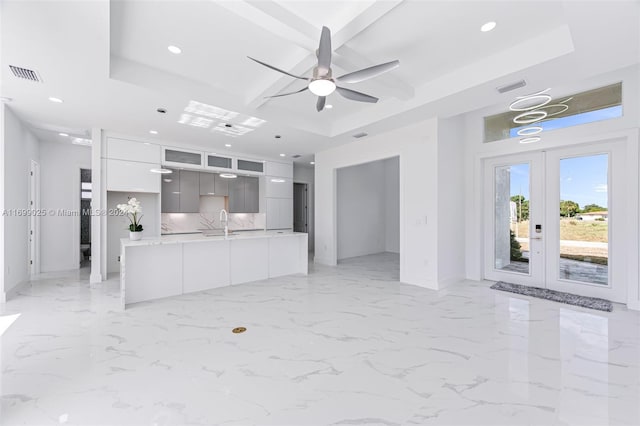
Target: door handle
[[536, 238]]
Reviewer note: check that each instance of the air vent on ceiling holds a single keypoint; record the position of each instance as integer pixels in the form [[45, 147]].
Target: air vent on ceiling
[[25, 73], [360, 135], [512, 86], [296, 156]]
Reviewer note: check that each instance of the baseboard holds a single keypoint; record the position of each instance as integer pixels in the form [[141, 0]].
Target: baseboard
[[321, 261], [15, 290], [446, 282], [95, 278]]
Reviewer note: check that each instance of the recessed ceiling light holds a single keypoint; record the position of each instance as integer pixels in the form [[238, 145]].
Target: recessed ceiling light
[[277, 180], [174, 49], [162, 110], [153, 132], [228, 125], [488, 26], [328, 106], [64, 134], [161, 171], [277, 136], [167, 180], [312, 162], [228, 145], [283, 155], [56, 100]]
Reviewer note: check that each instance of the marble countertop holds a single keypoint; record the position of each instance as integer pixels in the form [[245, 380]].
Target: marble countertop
[[195, 238]]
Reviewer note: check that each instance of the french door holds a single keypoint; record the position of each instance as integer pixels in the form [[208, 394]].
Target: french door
[[555, 219]]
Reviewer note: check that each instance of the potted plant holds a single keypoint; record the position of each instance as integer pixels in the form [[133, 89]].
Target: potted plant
[[132, 209]]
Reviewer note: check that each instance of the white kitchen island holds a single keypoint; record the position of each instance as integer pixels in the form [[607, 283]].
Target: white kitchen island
[[153, 268]]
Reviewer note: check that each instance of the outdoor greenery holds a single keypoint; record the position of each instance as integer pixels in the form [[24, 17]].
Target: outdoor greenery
[[574, 230], [522, 207], [516, 253]]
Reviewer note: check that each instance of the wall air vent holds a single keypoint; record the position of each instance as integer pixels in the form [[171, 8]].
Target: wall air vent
[[25, 74], [512, 86], [360, 135]]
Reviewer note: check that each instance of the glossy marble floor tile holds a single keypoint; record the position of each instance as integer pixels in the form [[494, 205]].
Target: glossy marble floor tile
[[346, 345]]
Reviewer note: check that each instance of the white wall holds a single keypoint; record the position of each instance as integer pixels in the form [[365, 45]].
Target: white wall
[[303, 174], [20, 147], [118, 226], [361, 212], [392, 204], [60, 189], [417, 147], [451, 213]]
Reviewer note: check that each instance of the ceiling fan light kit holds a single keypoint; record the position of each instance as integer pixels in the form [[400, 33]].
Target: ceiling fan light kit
[[322, 84]]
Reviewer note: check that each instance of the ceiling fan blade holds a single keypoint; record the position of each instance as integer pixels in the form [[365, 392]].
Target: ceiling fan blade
[[277, 69], [289, 93], [356, 96], [320, 103], [324, 52], [367, 73]]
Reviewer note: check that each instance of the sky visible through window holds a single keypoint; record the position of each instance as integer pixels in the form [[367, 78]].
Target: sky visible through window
[[582, 179], [573, 120]]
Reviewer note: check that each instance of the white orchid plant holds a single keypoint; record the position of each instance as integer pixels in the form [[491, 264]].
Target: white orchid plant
[[132, 209]]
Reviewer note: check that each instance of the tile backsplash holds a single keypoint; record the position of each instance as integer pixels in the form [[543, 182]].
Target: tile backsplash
[[209, 217]]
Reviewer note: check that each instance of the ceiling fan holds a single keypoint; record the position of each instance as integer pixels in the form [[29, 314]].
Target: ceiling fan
[[323, 84]]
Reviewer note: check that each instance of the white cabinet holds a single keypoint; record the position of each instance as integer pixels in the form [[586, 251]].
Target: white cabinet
[[132, 176], [276, 187], [279, 169], [205, 266], [163, 279], [123, 149], [279, 213], [249, 260]]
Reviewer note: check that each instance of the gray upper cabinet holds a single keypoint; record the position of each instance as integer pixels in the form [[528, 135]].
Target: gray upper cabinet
[[221, 186], [182, 193], [189, 191], [207, 184], [251, 195], [244, 195], [213, 184], [171, 192]]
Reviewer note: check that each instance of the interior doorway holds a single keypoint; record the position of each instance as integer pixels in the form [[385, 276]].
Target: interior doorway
[[85, 217], [368, 211], [300, 207], [556, 219]]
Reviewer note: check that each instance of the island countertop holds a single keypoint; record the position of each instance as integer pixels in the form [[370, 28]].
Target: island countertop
[[195, 238], [171, 265]]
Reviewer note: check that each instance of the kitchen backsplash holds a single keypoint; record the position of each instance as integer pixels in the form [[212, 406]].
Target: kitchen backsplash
[[209, 217]]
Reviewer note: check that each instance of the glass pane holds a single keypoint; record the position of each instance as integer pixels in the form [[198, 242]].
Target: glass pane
[[222, 162], [584, 219], [253, 166], [512, 218], [182, 157]]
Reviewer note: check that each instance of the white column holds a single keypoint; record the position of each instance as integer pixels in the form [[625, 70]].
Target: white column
[[97, 205], [3, 296]]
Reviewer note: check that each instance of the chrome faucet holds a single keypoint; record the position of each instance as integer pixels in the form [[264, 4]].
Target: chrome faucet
[[223, 213]]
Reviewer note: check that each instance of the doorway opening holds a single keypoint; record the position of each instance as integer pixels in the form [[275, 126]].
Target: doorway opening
[[300, 207], [85, 218], [555, 220], [368, 215]]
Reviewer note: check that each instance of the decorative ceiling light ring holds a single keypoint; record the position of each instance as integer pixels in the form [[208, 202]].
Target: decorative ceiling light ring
[[539, 115], [531, 139], [566, 107], [545, 100], [530, 131], [542, 92]]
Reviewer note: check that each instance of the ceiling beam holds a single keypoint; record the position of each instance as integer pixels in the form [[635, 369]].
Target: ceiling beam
[[278, 20]]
